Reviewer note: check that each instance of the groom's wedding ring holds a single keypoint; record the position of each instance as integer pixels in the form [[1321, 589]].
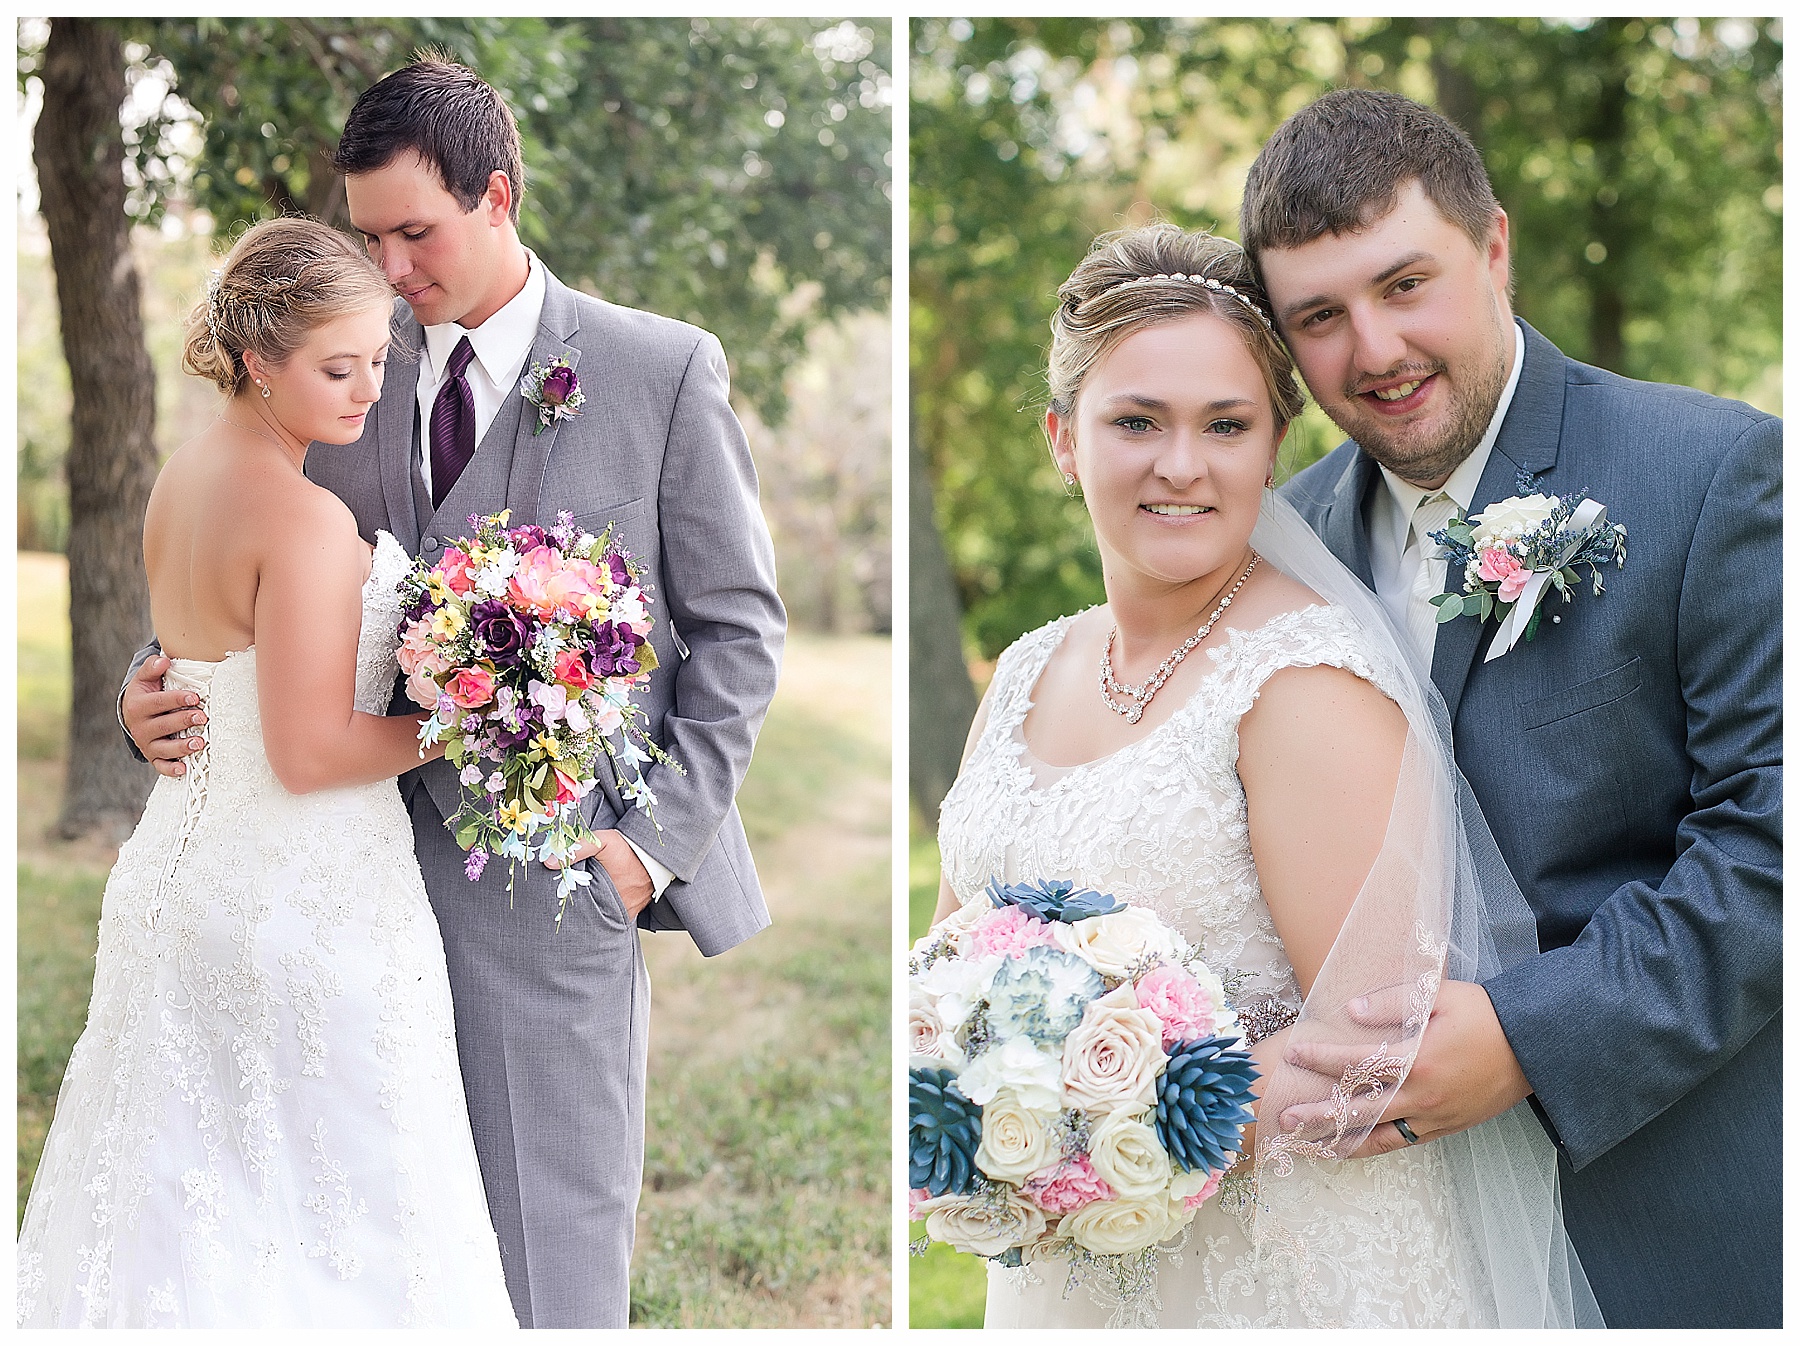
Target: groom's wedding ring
[[1406, 1132]]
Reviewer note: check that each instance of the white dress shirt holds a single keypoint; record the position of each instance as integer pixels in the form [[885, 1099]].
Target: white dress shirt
[[502, 344], [1407, 565]]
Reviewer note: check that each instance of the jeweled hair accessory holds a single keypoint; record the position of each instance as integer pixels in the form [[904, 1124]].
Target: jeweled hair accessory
[[1215, 285], [213, 282]]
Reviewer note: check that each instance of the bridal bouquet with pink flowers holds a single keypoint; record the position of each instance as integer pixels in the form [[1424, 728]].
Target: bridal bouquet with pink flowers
[[526, 646], [1077, 1087]]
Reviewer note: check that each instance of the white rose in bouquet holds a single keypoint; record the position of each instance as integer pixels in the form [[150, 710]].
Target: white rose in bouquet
[[1122, 1226], [1112, 1058], [1114, 943], [928, 1041], [1015, 1139], [984, 1223], [1126, 1153]]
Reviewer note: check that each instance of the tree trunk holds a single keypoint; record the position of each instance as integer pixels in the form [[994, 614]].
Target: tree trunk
[[1612, 225], [112, 453], [942, 699]]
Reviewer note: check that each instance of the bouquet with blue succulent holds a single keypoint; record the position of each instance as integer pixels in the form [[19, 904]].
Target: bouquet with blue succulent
[[1077, 1084]]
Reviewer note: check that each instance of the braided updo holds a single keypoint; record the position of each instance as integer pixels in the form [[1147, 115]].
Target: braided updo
[[1157, 273], [281, 280]]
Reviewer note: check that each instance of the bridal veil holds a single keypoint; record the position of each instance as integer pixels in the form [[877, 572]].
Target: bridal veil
[[1439, 901]]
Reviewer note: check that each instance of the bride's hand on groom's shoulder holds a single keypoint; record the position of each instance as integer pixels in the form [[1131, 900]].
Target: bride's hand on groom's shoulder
[[1464, 1074]]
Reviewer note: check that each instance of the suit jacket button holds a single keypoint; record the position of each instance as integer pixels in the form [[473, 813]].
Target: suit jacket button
[[428, 543]]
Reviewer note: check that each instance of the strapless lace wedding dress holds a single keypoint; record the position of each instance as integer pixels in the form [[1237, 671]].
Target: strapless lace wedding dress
[[263, 1122], [1162, 824]]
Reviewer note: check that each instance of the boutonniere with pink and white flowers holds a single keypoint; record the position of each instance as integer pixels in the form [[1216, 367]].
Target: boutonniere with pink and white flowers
[[554, 390], [1516, 550]]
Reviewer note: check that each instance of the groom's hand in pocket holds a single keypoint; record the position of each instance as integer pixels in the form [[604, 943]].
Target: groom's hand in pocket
[[164, 725], [1464, 1074], [622, 866]]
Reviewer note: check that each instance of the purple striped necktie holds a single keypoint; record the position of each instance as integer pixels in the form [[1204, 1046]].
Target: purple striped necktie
[[452, 424]]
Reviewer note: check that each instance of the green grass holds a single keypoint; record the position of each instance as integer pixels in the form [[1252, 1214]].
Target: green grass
[[59, 913], [766, 1193], [766, 1197]]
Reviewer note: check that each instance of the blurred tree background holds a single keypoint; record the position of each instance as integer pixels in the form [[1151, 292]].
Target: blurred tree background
[[734, 173], [1639, 161]]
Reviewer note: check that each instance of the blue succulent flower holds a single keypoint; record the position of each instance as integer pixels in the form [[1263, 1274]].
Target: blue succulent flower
[[1053, 900], [943, 1133], [1202, 1102]]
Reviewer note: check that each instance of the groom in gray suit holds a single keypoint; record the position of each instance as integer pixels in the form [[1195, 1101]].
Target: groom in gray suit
[[552, 1025], [1628, 758]]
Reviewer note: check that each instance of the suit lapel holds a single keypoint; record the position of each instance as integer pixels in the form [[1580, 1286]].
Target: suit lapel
[[1344, 525], [395, 414], [1528, 442], [531, 451]]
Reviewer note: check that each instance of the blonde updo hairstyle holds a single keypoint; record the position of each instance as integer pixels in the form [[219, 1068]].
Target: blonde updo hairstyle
[[1137, 278], [282, 279]]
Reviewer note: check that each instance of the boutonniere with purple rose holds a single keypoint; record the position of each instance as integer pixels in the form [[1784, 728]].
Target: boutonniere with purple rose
[[1515, 551], [554, 390]]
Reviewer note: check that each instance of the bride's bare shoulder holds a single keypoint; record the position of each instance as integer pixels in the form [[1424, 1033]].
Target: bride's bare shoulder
[[1283, 593]]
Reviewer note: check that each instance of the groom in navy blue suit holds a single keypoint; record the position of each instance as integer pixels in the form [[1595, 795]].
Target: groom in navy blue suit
[[1628, 758]]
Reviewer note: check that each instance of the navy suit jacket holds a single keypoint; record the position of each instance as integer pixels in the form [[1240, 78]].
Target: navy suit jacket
[[1628, 760]]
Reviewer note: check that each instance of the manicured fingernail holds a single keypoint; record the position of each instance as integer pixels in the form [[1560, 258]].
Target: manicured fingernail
[[193, 699]]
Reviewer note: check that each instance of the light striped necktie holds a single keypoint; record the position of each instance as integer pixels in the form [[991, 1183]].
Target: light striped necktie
[[1423, 560]]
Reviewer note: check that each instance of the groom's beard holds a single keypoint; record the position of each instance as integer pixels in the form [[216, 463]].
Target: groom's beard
[[1428, 457]]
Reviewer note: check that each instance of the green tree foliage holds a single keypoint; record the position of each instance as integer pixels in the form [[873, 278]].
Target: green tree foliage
[[1639, 161], [734, 173]]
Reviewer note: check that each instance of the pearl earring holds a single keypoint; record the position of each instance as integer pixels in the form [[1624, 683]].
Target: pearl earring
[[265, 389]]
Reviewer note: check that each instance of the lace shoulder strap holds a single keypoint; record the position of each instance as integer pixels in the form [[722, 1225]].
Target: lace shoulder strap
[[1303, 638], [1016, 673]]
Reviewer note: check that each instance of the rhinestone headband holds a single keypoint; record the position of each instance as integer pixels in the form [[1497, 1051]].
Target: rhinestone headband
[[1218, 286]]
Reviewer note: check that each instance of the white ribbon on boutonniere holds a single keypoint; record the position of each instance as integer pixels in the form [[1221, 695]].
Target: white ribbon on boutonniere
[[1589, 514]]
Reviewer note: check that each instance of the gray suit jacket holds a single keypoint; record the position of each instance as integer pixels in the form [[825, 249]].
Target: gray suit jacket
[[656, 451], [1628, 760]]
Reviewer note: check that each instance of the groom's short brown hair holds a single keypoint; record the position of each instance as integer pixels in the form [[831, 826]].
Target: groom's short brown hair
[[1339, 163], [447, 115]]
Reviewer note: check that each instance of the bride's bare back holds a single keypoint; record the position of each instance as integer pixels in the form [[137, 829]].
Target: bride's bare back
[[224, 507]]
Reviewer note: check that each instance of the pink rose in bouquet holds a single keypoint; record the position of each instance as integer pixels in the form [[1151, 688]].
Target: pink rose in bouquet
[[470, 688]]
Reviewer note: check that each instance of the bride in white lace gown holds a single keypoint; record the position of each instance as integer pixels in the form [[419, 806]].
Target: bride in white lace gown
[[1243, 791], [263, 1122]]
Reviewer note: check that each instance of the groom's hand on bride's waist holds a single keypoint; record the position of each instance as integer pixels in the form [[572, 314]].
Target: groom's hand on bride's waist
[[164, 725], [627, 872], [1464, 1074]]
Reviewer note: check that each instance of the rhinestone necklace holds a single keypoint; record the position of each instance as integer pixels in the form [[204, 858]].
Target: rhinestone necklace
[[1137, 699]]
